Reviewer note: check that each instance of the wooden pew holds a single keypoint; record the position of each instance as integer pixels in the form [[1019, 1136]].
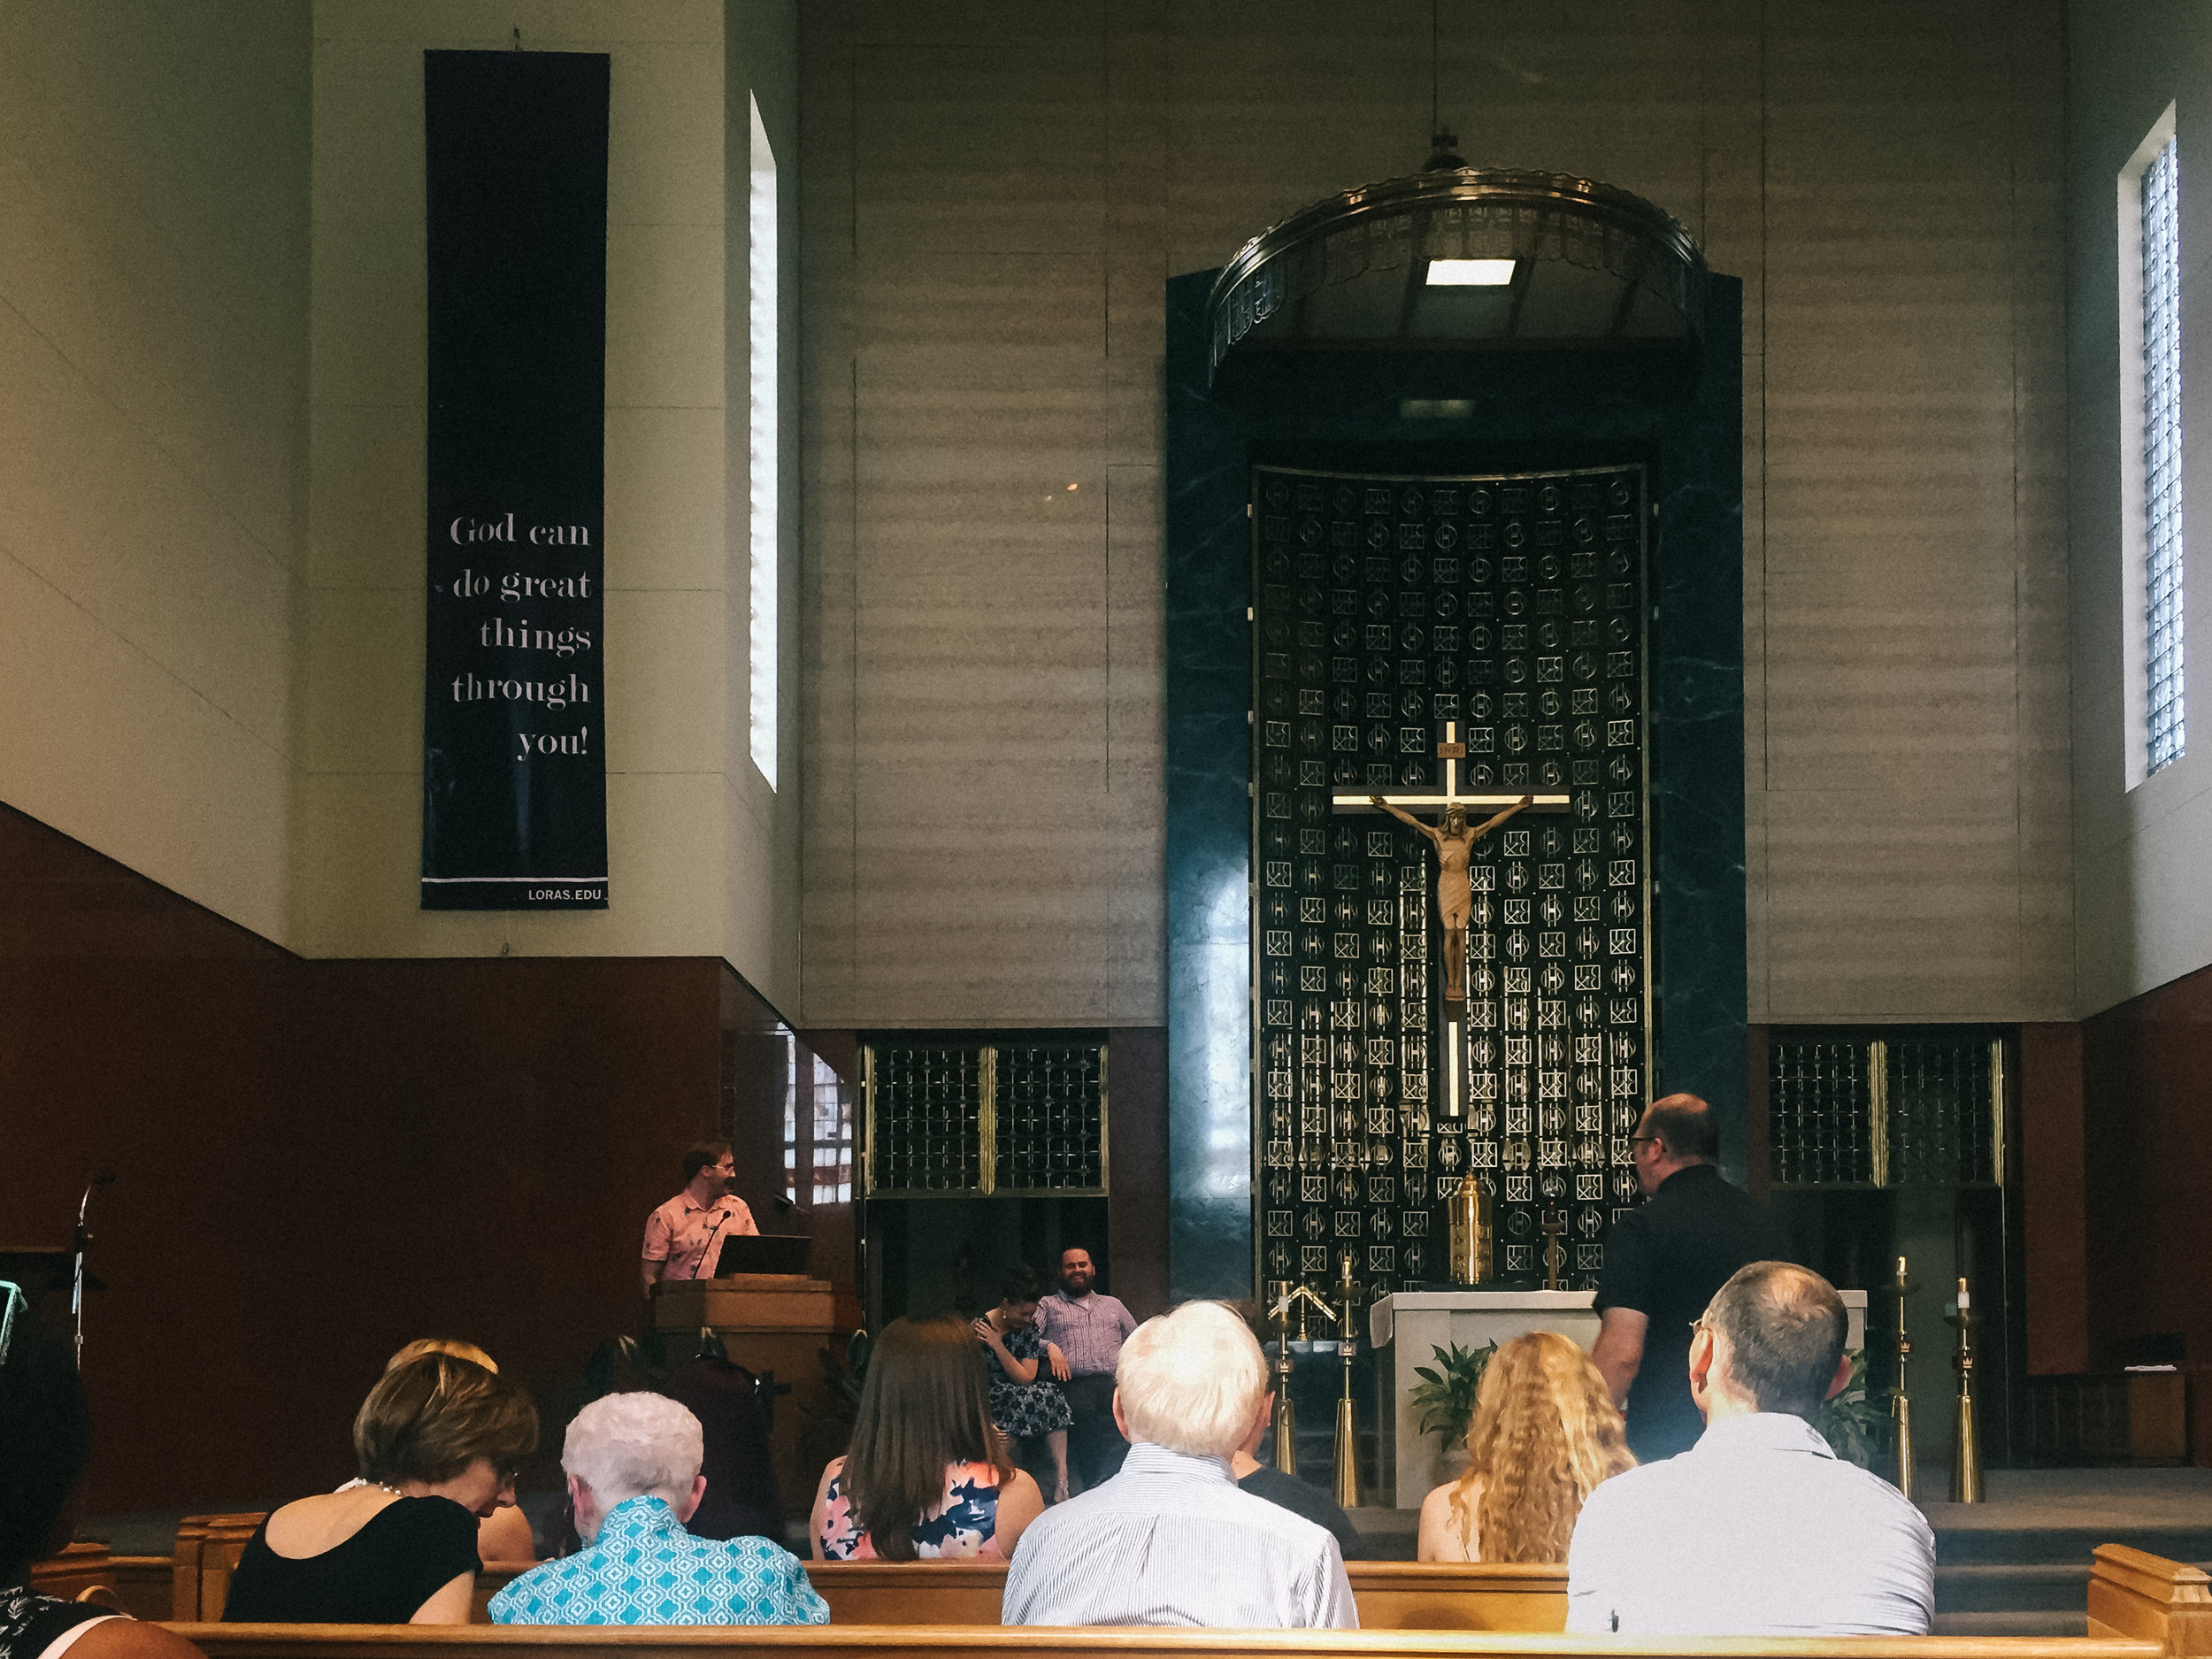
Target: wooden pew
[[1499, 1595], [917, 1642], [1391, 1594], [136, 1584], [81, 1573], [2134, 1592], [207, 1554]]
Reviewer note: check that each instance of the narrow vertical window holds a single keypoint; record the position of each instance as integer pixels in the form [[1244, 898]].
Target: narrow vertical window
[[833, 1137], [761, 331], [791, 1118], [2162, 455]]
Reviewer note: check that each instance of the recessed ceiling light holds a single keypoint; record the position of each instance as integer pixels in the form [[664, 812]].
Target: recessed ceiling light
[[1470, 273]]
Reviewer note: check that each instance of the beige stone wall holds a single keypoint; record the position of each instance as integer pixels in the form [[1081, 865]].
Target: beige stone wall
[[153, 382], [996, 194], [2145, 907]]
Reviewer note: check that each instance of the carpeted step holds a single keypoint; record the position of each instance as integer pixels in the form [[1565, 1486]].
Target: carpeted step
[[2034, 1624], [2036, 1541], [1981, 1587]]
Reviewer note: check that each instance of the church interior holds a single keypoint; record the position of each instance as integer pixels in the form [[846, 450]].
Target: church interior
[[1049, 497]]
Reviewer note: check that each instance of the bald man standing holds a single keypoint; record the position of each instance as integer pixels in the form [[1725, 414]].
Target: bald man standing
[[1663, 1262]]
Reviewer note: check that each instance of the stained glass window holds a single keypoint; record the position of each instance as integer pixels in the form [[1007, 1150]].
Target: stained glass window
[[2161, 452]]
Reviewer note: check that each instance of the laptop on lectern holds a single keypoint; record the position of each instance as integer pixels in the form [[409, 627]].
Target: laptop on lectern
[[764, 1253]]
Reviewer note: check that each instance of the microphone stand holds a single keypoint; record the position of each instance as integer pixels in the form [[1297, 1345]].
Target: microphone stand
[[707, 1249], [83, 1238]]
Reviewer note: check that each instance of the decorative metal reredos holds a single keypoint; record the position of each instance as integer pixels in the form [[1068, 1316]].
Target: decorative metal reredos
[[1464, 214]]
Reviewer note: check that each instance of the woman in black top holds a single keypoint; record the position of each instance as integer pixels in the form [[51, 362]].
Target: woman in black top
[[439, 1439], [44, 1438]]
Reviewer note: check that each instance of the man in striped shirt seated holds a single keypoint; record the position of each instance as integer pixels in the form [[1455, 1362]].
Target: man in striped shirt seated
[[1171, 1539]]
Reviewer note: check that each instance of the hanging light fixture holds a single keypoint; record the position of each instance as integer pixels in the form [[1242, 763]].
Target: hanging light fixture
[[1456, 257]]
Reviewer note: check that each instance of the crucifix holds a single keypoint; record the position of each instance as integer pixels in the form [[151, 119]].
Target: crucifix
[[1455, 844]]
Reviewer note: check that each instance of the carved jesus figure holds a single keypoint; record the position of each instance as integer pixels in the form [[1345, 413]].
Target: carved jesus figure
[[1455, 844]]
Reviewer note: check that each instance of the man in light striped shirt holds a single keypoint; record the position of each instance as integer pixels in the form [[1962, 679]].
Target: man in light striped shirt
[[1171, 1539]]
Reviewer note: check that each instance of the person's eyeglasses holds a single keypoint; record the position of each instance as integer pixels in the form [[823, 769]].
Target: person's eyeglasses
[[13, 1298], [1696, 1325], [1637, 1140]]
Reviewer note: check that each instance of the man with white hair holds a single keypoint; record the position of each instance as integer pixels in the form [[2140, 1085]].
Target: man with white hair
[[1171, 1539], [633, 1463]]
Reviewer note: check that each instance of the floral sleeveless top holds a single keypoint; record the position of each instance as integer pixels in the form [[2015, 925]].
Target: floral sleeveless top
[[962, 1525]]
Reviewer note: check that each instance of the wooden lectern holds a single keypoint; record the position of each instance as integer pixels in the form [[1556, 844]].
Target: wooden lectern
[[779, 1323]]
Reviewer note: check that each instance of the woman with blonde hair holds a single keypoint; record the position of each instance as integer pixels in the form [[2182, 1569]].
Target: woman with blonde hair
[[1545, 1433]]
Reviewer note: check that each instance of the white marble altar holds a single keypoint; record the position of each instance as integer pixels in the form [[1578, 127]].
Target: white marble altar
[[1407, 1329]]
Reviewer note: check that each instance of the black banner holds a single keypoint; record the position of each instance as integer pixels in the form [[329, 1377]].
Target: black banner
[[514, 808]]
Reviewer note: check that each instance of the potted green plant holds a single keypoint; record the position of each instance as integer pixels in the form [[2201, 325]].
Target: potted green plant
[[1854, 1427], [1445, 1396]]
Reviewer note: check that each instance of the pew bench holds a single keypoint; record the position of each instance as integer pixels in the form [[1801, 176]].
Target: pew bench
[[1391, 1594], [919, 1641], [2134, 1592], [136, 1584]]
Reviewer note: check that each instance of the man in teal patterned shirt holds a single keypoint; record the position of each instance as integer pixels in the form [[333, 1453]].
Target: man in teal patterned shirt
[[632, 1465]]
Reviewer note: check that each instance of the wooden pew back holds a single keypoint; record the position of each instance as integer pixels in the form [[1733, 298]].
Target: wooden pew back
[[2134, 1592], [81, 1573], [206, 1555], [920, 1641], [1391, 1594]]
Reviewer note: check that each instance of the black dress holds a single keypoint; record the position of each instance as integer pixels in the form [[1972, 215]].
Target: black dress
[[1036, 1406], [30, 1622], [406, 1553]]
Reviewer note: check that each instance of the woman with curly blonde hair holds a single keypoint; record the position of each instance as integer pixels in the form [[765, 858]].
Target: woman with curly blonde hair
[[1545, 1432]]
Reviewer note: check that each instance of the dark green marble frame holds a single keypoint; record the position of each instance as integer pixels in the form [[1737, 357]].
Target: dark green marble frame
[[1679, 415]]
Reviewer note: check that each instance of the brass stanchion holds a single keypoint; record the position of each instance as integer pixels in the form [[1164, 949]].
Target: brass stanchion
[[1472, 1245], [1347, 1418], [1901, 1405], [1966, 1463], [1287, 1414]]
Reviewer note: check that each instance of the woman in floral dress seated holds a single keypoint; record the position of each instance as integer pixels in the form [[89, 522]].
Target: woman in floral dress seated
[[1026, 1403], [929, 1476]]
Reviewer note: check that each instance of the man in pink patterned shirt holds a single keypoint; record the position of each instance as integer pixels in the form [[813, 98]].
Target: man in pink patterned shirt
[[684, 1234]]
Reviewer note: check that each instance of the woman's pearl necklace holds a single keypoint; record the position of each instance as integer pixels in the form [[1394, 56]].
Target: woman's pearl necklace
[[385, 1485]]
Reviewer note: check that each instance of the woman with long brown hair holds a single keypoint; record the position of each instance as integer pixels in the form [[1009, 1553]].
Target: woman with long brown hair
[[1545, 1433], [929, 1476]]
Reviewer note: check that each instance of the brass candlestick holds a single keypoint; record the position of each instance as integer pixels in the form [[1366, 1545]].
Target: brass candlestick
[[1900, 1404], [1473, 1247], [1966, 1463], [1286, 1413], [1555, 1249], [1347, 1419]]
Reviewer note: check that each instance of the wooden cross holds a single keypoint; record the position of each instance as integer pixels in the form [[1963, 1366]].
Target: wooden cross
[[1451, 751]]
